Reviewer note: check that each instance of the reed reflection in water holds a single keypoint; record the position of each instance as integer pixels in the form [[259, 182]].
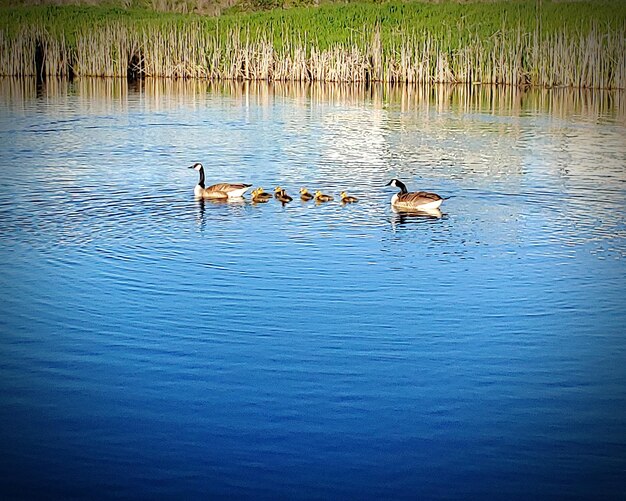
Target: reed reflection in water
[[154, 345], [510, 100]]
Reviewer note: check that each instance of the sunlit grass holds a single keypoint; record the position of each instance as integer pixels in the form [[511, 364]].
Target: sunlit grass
[[578, 44]]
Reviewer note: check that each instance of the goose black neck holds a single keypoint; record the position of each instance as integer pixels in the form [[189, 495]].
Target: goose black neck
[[402, 186], [201, 182]]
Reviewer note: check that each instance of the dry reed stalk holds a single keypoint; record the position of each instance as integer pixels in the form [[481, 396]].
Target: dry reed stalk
[[17, 54], [57, 55], [595, 58], [376, 56]]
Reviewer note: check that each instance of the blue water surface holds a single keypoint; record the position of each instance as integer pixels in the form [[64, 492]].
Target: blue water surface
[[155, 346]]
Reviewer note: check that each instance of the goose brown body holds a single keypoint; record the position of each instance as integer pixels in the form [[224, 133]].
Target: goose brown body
[[420, 200], [219, 190]]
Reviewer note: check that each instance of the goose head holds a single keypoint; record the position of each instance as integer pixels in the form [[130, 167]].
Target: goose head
[[396, 183], [197, 166]]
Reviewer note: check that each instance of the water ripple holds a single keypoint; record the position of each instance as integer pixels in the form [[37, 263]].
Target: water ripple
[[152, 337]]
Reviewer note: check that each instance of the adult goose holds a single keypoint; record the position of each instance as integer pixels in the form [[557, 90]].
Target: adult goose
[[219, 190], [417, 200]]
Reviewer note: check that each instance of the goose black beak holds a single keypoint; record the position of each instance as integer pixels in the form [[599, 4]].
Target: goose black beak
[[191, 167], [388, 184]]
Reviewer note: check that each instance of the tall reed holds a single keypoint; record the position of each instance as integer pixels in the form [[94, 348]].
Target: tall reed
[[354, 43]]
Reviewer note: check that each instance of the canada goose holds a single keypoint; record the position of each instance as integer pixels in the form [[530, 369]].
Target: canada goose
[[305, 195], [421, 200], [217, 191], [259, 195], [277, 191], [347, 199], [320, 197]]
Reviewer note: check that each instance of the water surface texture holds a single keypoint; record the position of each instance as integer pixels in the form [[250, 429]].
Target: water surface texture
[[153, 346]]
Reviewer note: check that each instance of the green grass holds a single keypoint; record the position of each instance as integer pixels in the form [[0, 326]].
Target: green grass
[[339, 23], [476, 32]]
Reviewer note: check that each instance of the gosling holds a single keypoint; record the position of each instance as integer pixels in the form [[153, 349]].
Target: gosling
[[305, 195], [282, 196], [321, 197], [347, 199], [259, 195]]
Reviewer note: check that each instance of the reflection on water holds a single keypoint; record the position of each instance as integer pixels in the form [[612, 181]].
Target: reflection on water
[[408, 216], [153, 343], [162, 94]]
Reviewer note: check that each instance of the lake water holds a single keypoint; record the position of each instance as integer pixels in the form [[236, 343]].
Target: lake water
[[153, 346]]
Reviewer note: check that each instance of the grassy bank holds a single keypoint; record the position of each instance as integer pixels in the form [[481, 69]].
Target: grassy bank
[[578, 44]]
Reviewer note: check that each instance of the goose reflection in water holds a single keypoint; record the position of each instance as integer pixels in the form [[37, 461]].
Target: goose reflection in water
[[406, 217], [204, 203]]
